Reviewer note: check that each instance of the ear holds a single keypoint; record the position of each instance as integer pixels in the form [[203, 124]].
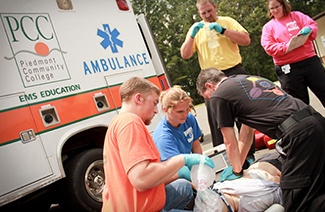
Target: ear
[[138, 98], [208, 85], [165, 109]]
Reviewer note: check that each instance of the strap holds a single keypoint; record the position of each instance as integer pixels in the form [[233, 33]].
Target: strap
[[223, 199], [296, 117]]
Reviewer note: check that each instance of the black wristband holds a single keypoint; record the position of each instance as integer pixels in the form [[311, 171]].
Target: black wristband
[[239, 173], [223, 30]]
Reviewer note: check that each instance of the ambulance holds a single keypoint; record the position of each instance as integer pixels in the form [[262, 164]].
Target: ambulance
[[62, 63]]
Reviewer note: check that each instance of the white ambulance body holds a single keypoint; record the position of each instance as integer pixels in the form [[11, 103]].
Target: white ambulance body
[[62, 62]]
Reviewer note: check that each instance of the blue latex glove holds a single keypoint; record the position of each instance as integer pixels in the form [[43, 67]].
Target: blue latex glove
[[194, 159], [196, 28], [216, 27], [250, 161], [304, 31], [228, 174], [185, 173]]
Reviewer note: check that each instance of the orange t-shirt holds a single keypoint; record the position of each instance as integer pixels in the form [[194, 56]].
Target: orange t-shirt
[[127, 143]]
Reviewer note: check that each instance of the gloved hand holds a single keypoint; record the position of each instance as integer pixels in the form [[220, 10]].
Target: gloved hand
[[304, 31], [185, 173], [193, 159], [216, 27], [196, 28], [248, 162], [228, 174]]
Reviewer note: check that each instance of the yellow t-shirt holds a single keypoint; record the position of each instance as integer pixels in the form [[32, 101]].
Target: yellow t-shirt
[[127, 143], [226, 54]]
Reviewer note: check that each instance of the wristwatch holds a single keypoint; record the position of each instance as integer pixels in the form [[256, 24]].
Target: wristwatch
[[223, 30], [239, 173]]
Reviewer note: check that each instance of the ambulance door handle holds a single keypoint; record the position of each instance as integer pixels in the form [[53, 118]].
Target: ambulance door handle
[[27, 136]]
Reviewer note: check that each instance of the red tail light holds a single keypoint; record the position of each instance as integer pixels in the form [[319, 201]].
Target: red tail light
[[122, 5]]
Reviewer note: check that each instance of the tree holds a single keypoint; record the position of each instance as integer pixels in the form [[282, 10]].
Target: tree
[[171, 19]]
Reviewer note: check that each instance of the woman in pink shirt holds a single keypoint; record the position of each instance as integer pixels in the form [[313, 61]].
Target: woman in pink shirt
[[299, 68]]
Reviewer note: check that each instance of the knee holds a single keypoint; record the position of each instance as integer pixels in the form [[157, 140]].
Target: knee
[[185, 187]]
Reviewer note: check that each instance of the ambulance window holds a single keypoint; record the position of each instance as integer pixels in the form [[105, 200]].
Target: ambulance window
[[64, 4]]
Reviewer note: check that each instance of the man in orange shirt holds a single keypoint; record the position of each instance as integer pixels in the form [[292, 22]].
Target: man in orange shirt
[[135, 178]]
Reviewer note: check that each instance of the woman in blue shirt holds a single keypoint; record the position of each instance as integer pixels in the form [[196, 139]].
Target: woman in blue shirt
[[178, 131]]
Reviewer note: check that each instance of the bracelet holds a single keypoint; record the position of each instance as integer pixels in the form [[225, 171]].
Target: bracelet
[[223, 30], [239, 173]]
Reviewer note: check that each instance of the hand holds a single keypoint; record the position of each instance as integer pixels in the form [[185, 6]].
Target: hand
[[304, 31], [185, 173], [216, 27], [228, 174], [248, 162], [193, 159], [196, 28]]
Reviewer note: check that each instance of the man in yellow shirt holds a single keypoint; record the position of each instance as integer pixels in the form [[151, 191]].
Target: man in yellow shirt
[[216, 40]]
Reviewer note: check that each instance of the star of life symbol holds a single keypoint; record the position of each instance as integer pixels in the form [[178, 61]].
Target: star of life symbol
[[110, 38]]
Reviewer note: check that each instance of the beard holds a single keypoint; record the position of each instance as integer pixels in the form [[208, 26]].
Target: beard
[[147, 121]]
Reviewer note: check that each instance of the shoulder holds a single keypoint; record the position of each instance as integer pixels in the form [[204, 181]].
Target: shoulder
[[162, 129], [230, 23], [226, 18], [125, 119], [162, 124], [296, 13], [191, 118]]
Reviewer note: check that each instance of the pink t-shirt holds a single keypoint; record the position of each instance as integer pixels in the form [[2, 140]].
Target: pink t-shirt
[[127, 143], [277, 33]]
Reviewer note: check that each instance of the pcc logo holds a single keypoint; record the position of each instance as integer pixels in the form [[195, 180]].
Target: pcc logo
[[35, 48]]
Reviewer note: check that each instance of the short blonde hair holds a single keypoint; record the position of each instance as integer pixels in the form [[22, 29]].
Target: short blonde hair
[[171, 97], [137, 85], [201, 2]]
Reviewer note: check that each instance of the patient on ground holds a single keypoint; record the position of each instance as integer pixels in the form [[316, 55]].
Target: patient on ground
[[257, 190]]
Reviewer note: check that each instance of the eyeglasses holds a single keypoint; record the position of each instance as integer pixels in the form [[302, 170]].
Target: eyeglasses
[[275, 8]]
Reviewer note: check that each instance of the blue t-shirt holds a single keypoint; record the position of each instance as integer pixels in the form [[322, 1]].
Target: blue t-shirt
[[172, 141]]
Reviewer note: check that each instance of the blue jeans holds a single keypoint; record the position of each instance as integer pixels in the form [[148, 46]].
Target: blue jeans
[[178, 194]]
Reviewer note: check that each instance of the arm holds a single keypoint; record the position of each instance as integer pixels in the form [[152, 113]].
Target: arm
[[246, 136], [230, 140], [241, 38], [186, 48], [146, 174], [306, 21], [232, 30], [270, 45], [196, 147]]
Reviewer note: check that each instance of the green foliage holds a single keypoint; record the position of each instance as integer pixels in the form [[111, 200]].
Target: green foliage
[[171, 19]]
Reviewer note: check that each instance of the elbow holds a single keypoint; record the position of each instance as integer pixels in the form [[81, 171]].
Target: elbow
[[141, 185], [246, 41], [185, 55]]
